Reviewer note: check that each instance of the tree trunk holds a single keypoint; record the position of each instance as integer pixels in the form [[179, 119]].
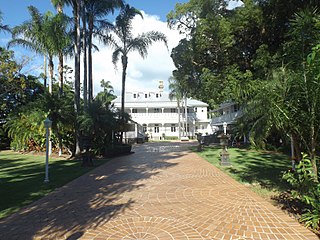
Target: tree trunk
[[124, 72], [45, 72], [60, 69], [186, 115], [85, 81], [179, 122], [313, 145], [51, 66], [297, 149], [77, 73], [90, 60]]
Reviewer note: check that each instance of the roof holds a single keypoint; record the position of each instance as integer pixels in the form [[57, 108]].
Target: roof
[[153, 99]]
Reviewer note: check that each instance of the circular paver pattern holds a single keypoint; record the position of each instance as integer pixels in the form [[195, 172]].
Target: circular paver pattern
[[143, 228]]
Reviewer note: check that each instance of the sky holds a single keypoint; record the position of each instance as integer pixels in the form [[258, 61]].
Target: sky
[[142, 74]]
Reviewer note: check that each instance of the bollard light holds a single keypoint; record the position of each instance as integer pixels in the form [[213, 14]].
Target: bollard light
[[47, 124]]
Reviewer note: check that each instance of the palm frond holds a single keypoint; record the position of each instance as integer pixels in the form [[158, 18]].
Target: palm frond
[[116, 56], [26, 44]]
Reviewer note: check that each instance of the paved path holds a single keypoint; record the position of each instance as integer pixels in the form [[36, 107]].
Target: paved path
[[160, 192]]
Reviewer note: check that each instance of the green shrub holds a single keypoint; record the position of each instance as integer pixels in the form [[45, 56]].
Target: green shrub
[[306, 188], [118, 150]]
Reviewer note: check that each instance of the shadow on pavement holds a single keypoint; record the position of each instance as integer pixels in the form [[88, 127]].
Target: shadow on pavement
[[92, 199]]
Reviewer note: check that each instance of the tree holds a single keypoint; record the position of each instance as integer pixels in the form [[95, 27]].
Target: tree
[[30, 34], [106, 96], [16, 88], [62, 21], [3, 28], [44, 34], [176, 92], [96, 10], [127, 43]]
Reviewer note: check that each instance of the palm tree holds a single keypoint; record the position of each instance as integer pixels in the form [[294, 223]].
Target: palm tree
[[4, 28], [106, 96], [76, 7], [59, 7], [96, 10], [35, 35], [126, 43], [177, 93]]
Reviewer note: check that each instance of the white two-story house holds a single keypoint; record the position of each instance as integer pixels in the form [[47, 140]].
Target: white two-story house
[[227, 113], [158, 115]]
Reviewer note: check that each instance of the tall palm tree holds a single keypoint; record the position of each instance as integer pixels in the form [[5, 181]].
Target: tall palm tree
[[59, 7], [96, 10], [125, 42], [176, 92], [35, 35], [76, 9]]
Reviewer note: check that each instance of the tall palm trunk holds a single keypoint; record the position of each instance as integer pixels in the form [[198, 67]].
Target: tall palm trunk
[[50, 66], [179, 120], [45, 72], [84, 34], [124, 59], [60, 70], [77, 73], [60, 56], [186, 115], [90, 85], [59, 9]]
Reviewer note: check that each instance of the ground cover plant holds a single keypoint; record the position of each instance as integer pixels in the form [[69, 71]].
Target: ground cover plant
[[22, 178]]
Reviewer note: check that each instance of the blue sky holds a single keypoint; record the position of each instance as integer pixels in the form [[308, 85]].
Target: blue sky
[[15, 11], [142, 73]]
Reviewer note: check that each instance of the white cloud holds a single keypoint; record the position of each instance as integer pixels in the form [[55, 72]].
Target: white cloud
[[235, 3], [142, 74]]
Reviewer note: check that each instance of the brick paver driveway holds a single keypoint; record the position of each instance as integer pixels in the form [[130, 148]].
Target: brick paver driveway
[[161, 191]]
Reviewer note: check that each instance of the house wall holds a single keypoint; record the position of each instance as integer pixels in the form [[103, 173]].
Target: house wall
[[159, 117]]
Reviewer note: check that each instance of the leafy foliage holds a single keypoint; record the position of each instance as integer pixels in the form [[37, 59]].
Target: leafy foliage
[[306, 188]]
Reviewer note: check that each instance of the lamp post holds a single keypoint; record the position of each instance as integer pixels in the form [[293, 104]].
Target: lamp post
[[47, 124], [225, 128], [224, 142]]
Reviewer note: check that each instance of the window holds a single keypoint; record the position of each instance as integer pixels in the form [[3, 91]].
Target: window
[[236, 108], [173, 128], [134, 95], [156, 128], [145, 95], [134, 110], [144, 127], [173, 110], [156, 110], [195, 109], [157, 95]]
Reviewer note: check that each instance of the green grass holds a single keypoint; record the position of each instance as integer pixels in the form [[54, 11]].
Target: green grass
[[260, 170], [22, 178]]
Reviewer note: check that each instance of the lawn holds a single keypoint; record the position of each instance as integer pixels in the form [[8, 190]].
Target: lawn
[[260, 170], [22, 178]]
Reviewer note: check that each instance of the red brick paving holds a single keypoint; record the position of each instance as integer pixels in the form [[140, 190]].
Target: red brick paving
[[159, 192]]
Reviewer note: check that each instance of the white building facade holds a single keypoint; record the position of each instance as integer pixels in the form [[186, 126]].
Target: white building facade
[[159, 115], [227, 112]]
